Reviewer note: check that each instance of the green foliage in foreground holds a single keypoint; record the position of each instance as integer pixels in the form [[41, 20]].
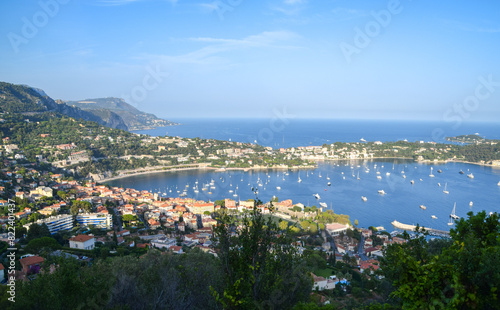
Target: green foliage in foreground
[[155, 281], [261, 267], [463, 275]]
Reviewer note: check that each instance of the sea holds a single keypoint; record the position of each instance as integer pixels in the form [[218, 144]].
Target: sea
[[349, 180]]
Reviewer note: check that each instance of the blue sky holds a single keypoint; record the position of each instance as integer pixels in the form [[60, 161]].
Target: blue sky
[[434, 60]]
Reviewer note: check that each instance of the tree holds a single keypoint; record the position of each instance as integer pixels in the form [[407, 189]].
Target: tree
[[356, 222], [37, 231], [62, 194], [260, 265], [37, 245], [74, 210], [463, 275], [283, 225]]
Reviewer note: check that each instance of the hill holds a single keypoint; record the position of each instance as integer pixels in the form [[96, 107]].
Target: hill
[[133, 118], [27, 100]]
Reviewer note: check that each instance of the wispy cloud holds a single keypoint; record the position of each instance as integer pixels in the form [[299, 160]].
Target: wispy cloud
[[487, 27], [214, 49]]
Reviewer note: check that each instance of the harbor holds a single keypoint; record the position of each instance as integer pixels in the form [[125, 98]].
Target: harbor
[[432, 231]]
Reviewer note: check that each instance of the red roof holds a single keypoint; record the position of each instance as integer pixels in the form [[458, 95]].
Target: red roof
[[31, 260], [1, 267], [81, 238]]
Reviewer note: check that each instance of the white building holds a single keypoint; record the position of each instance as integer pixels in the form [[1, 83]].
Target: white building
[[55, 223], [100, 220], [82, 242], [335, 228]]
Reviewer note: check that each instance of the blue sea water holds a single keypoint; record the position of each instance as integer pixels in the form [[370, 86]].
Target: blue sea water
[[401, 202], [303, 132]]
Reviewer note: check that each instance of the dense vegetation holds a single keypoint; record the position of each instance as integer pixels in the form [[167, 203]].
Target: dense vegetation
[[461, 274]]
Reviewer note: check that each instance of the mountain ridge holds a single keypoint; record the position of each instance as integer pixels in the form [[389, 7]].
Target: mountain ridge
[[133, 118]]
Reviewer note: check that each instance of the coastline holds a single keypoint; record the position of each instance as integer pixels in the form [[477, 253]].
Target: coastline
[[221, 169], [197, 167]]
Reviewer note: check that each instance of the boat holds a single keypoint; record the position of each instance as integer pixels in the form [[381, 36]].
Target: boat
[[316, 196], [323, 205], [381, 192], [423, 207], [471, 204], [453, 215], [404, 176], [364, 198], [230, 191], [278, 188], [299, 180], [362, 140], [461, 172], [451, 222], [387, 173], [431, 175], [379, 177], [412, 182], [358, 175], [440, 171], [434, 217], [470, 176], [498, 183], [329, 183], [445, 191]]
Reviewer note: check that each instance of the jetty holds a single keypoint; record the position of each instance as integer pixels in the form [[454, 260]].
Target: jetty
[[431, 231]]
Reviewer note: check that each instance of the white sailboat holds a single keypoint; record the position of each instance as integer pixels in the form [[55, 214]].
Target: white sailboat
[[381, 192], [445, 191], [431, 175], [364, 198], [453, 215], [470, 176], [423, 207], [434, 217]]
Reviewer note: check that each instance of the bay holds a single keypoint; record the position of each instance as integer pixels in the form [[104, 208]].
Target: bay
[[401, 201]]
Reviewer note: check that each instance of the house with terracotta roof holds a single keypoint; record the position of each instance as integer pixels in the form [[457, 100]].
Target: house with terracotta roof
[[176, 249], [83, 242], [321, 283], [31, 264]]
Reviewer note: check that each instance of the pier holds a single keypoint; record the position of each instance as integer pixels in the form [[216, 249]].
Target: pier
[[431, 231]]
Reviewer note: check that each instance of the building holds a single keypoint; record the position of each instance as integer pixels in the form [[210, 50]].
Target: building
[[335, 228], [55, 223], [42, 191], [200, 208], [321, 283], [82, 242], [99, 220], [31, 264]]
